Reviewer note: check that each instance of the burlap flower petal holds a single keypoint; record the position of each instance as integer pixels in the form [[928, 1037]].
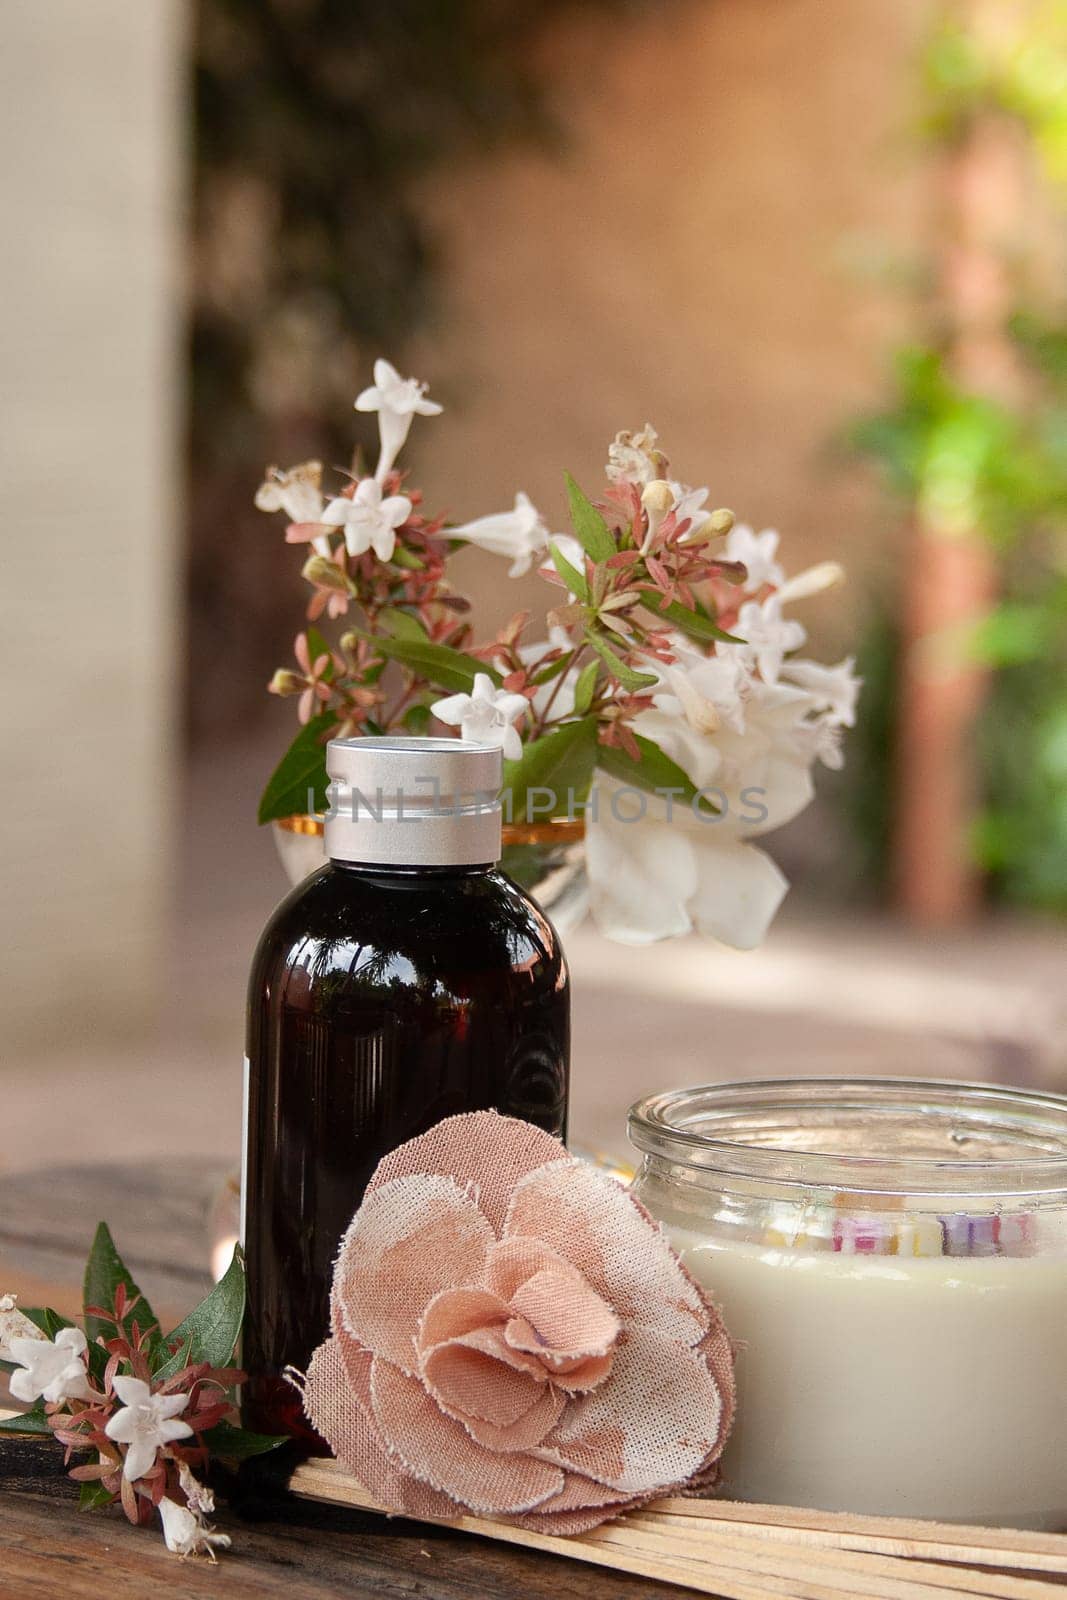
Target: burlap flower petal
[[334, 1411], [405, 1244], [565, 1321], [357, 1363], [511, 1262], [651, 1425], [454, 1312], [527, 1432], [581, 1504], [570, 1320], [441, 1452], [460, 1338], [613, 1243], [571, 1374], [480, 1376], [456, 1147]]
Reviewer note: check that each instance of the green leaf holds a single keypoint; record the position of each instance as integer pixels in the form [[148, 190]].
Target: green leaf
[[228, 1443], [91, 1496], [104, 1272], [302, 768], [211, 1330], [437, 663], [655, 772], [373, 674], [593, 533], [407, 559], [529, 864], [50, 1322], [319, 646], [402, 625], [555, 669], [33, 1421], [575, 580], [633, 681], [586, 686], [561, 762], [417, 719], [694, 623]]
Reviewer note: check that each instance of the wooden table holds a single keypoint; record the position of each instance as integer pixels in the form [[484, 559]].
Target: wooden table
[[48, 1549]]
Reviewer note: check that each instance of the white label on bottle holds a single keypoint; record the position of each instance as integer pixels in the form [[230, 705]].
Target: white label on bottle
[[244, 1155]]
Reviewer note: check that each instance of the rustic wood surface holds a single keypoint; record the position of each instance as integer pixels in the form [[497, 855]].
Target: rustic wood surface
[[304, 1551]]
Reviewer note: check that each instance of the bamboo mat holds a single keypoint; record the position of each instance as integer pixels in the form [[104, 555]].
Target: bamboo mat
[[742, 1551]]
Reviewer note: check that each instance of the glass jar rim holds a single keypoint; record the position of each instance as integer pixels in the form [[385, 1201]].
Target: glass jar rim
[[905, 1136]]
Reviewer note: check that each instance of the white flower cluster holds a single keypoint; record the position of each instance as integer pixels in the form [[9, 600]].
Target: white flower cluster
[[368, 518], [745, 721], [55, 1370], [746, 724]]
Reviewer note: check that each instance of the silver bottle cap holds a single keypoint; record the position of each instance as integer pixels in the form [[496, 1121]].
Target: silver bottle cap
[[413, 802]]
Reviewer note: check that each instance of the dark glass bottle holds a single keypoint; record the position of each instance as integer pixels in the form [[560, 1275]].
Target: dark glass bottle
[[383, 997]]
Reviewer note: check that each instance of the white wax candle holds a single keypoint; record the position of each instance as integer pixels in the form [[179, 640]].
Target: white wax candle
[[931, 1387]]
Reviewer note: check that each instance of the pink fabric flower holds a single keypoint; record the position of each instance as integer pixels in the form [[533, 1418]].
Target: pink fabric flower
[[512, 1335]]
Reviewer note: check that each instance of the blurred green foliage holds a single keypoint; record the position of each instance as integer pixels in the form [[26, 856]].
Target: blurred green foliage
[[986, 466], [969, 463], [1022, 74], [867, 796]]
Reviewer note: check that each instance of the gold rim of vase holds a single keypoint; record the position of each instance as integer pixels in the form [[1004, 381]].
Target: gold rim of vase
[[561, 830]]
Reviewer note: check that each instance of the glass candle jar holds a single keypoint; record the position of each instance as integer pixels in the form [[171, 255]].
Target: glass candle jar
[[891, 1258]]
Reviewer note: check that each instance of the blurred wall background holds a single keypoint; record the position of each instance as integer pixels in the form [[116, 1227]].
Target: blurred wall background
[[700, 253], [95, 129]]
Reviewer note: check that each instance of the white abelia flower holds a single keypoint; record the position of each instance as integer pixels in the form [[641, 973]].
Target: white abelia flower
[[197, 1495], [763, 771], [14, 1325], [659, 877], [757, 551], [657, 498], [671, 872], [186, 1534], [297, 492], [706, 691], [689, 507], [145, 1424], [519, 534], [50, 1369], [485, 716], [768, 636], [396, 400], [834, 690], [634, 457], [813, 580], [827, 743], [369, 521]]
